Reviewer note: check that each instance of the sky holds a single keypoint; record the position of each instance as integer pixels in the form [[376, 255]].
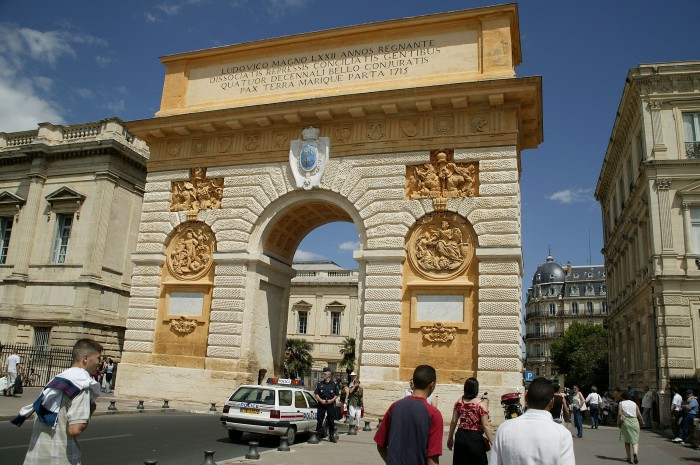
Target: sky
[[83, 61]]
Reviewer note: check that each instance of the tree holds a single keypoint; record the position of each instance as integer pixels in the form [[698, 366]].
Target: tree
[[297, 357], [348, 353], [581, 355]]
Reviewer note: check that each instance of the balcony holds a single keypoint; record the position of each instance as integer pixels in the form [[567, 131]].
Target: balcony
[[692, 149], [543, 334]]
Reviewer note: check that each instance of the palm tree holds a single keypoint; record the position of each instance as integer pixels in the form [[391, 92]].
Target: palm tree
[[348, 352], [297, 357]]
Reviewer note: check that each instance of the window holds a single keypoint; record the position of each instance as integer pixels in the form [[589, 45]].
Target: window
[[5, 232], [574, 308], [64, 224], [551, 291], [41, 337], [695, 227], [335, 323], [537, 350], [303, 320], [552, 309], [691, 129], [589, 308], [604, 308]]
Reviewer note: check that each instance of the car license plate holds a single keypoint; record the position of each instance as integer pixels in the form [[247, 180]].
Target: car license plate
[[250, 410]]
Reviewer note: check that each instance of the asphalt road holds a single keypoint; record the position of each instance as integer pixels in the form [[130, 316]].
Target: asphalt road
[[171, 438]]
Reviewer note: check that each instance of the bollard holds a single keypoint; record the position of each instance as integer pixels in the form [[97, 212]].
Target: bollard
[[351, 430], [379, 422], [213, 407], [150, 462], [165, 404], [209, 457], [367, 427], [313, 439], [140, 406], [111, 405], [252, 451], [284, 444]]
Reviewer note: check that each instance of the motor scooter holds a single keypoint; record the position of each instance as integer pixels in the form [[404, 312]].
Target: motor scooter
[[512, 408]]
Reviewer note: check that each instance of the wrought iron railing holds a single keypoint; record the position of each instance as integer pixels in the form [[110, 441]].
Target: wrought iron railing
[[692, 149], [38, 364]]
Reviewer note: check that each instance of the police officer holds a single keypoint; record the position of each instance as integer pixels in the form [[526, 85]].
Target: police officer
[[326, 393]]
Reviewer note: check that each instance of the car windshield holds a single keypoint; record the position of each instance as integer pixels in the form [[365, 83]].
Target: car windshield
[[255, 395]]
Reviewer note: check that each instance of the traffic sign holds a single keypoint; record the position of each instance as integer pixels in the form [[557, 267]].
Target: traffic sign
[[529, 376]]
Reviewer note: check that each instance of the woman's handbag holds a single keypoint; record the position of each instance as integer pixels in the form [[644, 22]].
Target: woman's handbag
[[487, 444]]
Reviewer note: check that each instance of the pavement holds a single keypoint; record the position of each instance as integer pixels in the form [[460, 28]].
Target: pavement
[[599, 446]]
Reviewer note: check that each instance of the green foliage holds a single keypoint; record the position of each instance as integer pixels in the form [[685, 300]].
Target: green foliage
[[297, 357], [581, 355], [348, 353]]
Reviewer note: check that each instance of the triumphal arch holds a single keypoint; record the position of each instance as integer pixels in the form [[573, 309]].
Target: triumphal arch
[[410, 129]]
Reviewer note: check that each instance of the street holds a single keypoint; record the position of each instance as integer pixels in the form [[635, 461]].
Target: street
[[171, 438]]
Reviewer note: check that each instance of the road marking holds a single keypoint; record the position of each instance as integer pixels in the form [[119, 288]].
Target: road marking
[[24, 446], [107, 437]]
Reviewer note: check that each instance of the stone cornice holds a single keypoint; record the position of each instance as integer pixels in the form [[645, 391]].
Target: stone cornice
[[410, 120]]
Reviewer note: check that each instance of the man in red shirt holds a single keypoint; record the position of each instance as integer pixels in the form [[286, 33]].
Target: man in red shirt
[[411, 431]]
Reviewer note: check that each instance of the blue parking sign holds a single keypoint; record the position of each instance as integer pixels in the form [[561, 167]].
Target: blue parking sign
[[529, 376]]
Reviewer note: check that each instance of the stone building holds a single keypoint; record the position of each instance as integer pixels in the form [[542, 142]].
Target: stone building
[[560, 295], [649, 191], [323, 309], [410, 129], [70, 202]]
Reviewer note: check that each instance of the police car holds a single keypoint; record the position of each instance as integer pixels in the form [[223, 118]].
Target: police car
[[280, 407]]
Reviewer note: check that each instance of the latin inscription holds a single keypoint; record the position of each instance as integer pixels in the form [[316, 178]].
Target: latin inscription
[[362, 64]]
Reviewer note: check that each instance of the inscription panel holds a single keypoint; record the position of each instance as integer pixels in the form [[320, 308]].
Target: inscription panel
[[384, 64]]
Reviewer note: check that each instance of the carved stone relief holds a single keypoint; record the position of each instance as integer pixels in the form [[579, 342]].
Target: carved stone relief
[[189, 254], [438, 333], [440, 246], [199, 193], [375, 130], [342, 134], [183, 325], [443, 125], [442, 178]]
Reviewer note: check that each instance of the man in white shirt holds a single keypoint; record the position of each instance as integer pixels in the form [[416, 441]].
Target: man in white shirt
[[533, 438], [647, 404], [676, 410], [12, 368]]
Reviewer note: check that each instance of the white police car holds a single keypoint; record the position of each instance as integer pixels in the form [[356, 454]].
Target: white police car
[[280, 407]]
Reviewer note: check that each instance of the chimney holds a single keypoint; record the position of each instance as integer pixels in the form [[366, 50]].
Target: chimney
[[568, 268]]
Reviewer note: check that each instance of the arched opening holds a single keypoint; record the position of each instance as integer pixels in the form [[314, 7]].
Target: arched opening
[[301, 289]]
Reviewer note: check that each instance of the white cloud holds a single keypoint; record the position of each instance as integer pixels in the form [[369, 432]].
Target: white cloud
[[102, 61], [25, 94], [568, 196], [349, 245], [150, 18], [303, 255]]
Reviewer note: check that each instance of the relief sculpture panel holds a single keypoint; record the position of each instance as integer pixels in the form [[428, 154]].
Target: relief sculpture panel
[[441, 246], [189, 255], [442, 178], [197, 193]]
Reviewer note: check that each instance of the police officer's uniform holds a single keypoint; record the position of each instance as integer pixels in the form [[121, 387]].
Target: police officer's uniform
[[326, 391]]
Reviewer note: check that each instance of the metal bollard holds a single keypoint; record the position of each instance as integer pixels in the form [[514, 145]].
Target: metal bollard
[[351, 430], [367, 427], [379, 422], [209, 457], [150, 462], [111, 405], [140, 406], [313, 439], [284, 444], [252, 451], [165, 404], [213, 407]]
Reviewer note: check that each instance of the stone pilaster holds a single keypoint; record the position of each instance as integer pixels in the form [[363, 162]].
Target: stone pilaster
[[96, 237]]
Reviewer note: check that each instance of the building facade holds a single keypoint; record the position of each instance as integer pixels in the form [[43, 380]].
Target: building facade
[[323, 309], [560, 295], [70, 202], [649, 192], [410, 129]]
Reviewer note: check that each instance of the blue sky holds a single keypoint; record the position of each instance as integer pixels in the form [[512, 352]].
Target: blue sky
[[80, 61]]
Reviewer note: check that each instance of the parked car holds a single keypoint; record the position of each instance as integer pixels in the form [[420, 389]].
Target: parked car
[[280, 407]]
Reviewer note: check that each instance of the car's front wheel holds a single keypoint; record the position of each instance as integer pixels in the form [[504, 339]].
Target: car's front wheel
[[291, 435], [234, 435]]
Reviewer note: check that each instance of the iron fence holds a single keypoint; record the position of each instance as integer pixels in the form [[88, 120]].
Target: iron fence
[[38, 364]]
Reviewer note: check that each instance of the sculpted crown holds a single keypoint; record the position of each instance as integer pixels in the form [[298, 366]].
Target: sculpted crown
[[310, 133]]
